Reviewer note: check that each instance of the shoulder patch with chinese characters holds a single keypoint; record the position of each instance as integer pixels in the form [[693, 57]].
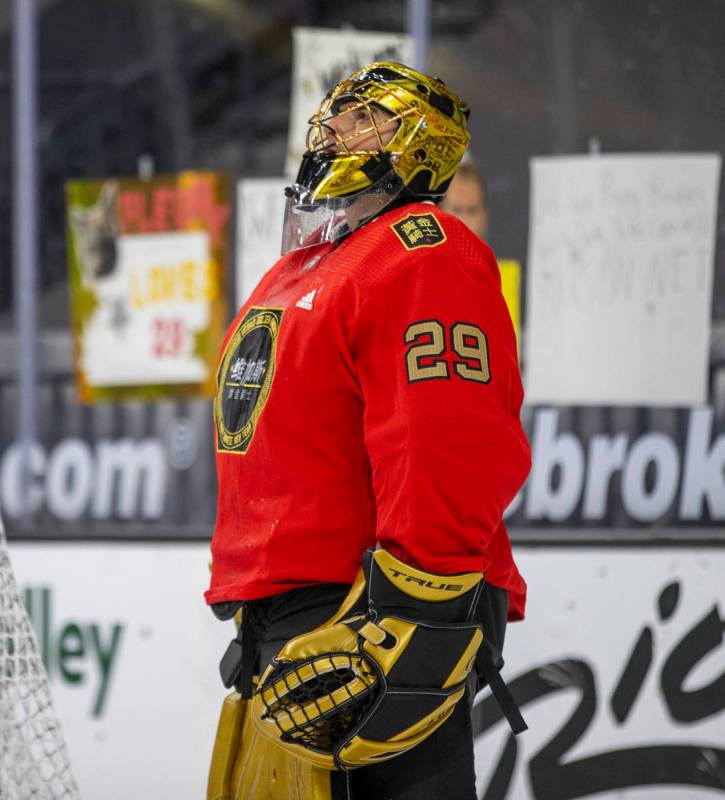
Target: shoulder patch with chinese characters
[[419, 230]]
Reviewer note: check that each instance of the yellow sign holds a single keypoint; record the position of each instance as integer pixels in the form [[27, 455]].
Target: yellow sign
[[146, 272], [511, 287]]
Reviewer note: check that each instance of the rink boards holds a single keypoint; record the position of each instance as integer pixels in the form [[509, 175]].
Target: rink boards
[[619, 669]]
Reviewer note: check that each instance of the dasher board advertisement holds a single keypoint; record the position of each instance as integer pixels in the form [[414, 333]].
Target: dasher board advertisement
[[321, 58], [146, 273], [593, 477], [619, 669], [620, 277], [132, 654]]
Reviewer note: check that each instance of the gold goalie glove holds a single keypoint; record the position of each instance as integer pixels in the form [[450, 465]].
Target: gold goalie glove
[[381, 676]]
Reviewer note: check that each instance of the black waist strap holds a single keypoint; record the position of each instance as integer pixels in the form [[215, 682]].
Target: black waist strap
[[282, 617], [237, 665]]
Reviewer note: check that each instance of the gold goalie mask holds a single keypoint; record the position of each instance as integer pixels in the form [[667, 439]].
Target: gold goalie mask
[[385, 131], [381, 676]]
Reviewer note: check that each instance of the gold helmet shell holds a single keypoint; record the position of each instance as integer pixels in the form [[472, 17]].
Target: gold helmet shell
[[420, 158]]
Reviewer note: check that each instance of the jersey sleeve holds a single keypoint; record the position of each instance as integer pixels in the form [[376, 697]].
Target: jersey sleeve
[[434, 352]]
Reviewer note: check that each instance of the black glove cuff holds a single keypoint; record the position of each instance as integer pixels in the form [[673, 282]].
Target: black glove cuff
[[398, 589]]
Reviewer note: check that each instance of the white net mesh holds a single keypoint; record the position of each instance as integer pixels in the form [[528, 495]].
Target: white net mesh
[[34, 763]]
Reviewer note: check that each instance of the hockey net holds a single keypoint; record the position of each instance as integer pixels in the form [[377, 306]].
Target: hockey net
[[34, 762]]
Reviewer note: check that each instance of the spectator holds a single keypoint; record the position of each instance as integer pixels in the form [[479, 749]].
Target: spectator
[[467, 198]]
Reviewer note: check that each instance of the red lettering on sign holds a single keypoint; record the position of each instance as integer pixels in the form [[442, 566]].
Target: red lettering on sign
[[168, 337], [192, 206]]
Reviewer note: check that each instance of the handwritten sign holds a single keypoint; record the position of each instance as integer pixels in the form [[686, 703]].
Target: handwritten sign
[[260, 213], [146, 265], [320, 59], [620, 279]]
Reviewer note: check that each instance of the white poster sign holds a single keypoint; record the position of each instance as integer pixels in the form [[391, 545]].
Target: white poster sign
[[150, 309], [260, 213], [619, 670], [146, 273], [620, 279], [322, 57]]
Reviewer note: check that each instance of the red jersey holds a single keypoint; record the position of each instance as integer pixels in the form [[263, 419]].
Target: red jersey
[[369, 393]]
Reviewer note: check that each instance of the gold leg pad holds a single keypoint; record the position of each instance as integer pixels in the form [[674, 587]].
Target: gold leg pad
[[244, 766]]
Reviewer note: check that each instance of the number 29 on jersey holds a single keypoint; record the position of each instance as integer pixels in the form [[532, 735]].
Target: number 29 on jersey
[[430, 342]]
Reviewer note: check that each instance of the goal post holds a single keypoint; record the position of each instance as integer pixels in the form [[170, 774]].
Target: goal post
[[34, 762]]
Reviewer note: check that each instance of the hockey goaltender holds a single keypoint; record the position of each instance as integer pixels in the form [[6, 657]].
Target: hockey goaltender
[[367, 443]]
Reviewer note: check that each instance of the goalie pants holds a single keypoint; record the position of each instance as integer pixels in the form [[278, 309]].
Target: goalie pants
[[439, 768]]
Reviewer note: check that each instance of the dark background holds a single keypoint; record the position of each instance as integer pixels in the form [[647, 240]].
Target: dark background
[[200, 84], [205, 84]]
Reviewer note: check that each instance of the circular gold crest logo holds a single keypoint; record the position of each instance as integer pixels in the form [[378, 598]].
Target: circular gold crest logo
[[245, 378]]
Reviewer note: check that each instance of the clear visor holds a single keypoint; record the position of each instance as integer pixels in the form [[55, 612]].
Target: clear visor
[[309, 222]]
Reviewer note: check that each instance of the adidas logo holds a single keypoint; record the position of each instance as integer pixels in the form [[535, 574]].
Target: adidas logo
[[306, 300]]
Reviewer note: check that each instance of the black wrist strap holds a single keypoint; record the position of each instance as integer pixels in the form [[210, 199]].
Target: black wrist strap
[[509, 707]]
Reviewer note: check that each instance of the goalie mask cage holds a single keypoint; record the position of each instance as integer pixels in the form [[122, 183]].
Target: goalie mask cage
[[34, 762]]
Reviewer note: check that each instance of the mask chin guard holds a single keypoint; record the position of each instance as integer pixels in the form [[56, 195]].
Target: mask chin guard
[[310, 221]]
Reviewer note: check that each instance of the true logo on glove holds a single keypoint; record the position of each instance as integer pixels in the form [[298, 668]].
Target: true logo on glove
[[446, 587]]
